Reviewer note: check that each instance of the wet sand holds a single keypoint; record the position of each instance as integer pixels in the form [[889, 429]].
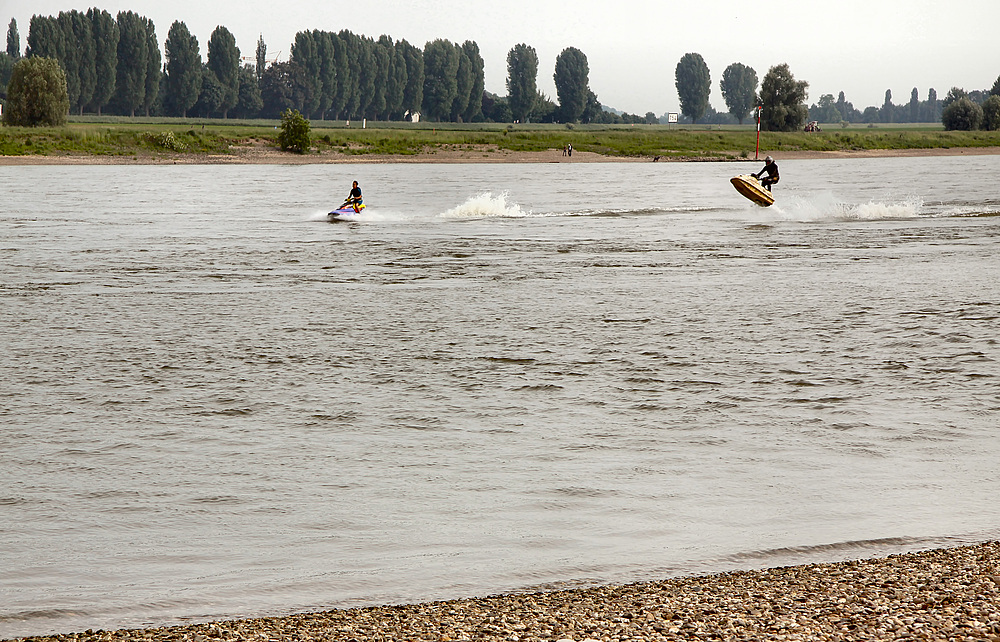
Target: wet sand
[[943, 594]]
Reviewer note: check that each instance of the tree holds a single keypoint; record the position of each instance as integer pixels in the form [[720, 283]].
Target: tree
[[261, 57], [224, 61], [380, 73], [522, 81], [183, 82], [133, 62], [413, 92], [826, 110], [441, 62], [694, 84], [474, 109], [914, 106], [463, 85], [739, 90], [932, 107], [6, 69], [955, 93], [351, 73], [783, 99], [887, 108], [305, 55], [249, 103], [211, 95], [13, 40], [396, 84], [45, 38], [991, 113], [572, 79], [329, 83], [283, 87], [962, 114], [105, 32], [78, 57], [36, 94], [153, 67], [294, 134]]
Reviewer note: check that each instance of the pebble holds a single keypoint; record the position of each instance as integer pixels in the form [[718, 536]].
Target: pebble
[[943, 594]]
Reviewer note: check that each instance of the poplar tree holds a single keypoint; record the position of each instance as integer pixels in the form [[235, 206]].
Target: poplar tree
[[305, 55], [133, 60], [224, 61], [352, 73], [413, 91], [328, 84], [13, 40], [261, 57], [183, 81], [45, 38], [105, 32], [441, 64], [154, 69], [475, 106], [522, 80], [572, 79], [463, 85]]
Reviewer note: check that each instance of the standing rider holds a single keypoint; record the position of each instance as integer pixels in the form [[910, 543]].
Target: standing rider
[[771, 168], [354, 199]]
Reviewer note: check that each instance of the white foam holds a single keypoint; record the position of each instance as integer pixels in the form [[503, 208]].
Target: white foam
[[487, 205], [824, 206]]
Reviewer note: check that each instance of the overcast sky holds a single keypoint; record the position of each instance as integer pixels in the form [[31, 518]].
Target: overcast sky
[[860, 47]]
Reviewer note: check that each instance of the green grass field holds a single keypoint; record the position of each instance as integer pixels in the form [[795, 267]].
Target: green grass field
[[166, 136]]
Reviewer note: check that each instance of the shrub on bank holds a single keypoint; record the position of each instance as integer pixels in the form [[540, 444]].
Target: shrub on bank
[[294, 135], [962, 115], [36, 94]]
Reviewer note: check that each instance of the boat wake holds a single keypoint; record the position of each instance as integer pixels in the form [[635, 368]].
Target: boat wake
[[826, 207]]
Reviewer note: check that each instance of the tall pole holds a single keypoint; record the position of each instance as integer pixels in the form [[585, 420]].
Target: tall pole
[[756, 154]]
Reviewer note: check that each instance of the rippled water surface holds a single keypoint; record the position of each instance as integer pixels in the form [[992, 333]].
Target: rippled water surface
[[216, 403]]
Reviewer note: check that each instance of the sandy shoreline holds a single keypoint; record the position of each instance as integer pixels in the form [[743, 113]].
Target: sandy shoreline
[[943, 594], [270, 156]]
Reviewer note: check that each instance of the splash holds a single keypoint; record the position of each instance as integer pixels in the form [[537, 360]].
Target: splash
[[826, 207], [487, 205]]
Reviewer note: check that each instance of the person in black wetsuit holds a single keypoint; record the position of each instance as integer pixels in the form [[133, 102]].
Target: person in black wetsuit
[[771, 169], [354, 199]]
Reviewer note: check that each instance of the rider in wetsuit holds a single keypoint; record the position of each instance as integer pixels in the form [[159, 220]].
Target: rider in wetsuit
[[771, 168]]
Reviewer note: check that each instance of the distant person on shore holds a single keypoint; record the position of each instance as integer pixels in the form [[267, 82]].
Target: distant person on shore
[[771, 169], [354, 198]]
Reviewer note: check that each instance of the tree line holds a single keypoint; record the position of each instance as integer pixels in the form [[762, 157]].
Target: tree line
[[783, 100], [113, 65]]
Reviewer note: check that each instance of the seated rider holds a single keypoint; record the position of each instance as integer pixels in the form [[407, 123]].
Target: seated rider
[[771, 168], [354, 198]]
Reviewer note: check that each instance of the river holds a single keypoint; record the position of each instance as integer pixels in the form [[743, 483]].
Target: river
[[215, 403]]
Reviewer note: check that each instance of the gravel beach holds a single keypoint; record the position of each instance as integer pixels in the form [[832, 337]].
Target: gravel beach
[[943, 594]]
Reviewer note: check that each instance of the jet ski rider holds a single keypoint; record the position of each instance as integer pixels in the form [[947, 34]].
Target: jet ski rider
[[354, 199], [771, 168]]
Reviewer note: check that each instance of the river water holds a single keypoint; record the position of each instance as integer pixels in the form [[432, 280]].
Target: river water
[[215, 403]]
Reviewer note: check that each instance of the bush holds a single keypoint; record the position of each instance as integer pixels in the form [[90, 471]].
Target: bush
[[36, 95], [294, 134], [991, 113], [962, 115]]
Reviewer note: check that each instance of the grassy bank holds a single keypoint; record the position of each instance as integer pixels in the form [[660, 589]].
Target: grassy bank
[[171, 136]]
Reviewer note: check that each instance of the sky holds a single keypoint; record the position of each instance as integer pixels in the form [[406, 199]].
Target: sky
[[860, 47]]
